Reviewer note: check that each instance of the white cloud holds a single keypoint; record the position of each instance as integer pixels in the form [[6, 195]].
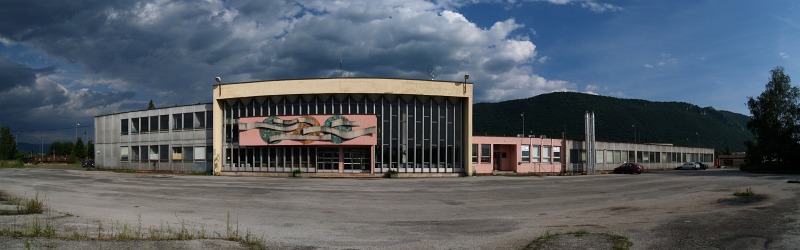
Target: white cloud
[[783, 55], [647, 65]]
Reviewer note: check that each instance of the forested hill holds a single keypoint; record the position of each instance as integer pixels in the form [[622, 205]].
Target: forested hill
[[551, 114]]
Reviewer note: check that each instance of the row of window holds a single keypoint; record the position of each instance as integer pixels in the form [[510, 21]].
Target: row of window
[[164, 153], [530, 153], [182, 121], [622, 156]]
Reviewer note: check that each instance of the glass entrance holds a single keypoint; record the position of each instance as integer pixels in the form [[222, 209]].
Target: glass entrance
[[328, 160], [356, 160]]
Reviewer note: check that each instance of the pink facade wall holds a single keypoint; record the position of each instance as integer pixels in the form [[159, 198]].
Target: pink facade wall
[[512, 146], [253, 138]]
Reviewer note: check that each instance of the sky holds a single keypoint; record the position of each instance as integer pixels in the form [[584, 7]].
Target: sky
[[64, 62]]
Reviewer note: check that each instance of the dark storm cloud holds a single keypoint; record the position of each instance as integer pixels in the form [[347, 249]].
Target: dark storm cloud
[[13, 74], [170, 51]]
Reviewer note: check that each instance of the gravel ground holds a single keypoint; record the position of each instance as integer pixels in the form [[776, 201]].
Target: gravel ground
[[662, 210]]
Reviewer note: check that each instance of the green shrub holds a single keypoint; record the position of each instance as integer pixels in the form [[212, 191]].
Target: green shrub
[[390, 174], [297, 173], [11, 164]]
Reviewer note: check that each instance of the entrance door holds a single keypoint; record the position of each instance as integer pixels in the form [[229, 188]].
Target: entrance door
[[328, 160], [356, 159]]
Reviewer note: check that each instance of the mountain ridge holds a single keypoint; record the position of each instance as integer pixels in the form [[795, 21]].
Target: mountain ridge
[[559, 114]]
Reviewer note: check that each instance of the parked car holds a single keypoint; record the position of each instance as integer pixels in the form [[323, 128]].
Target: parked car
[[88, 163], [689, 166], [629, 168], [703, 166]]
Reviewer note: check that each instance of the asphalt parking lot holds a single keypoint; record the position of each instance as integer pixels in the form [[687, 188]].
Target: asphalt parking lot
[[662, 210]]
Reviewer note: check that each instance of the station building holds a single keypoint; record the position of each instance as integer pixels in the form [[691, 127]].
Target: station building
[[348, 127], [342, 125]]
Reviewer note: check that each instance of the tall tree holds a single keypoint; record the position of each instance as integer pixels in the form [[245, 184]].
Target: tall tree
[[151, 105], [8, 144], [775, 117], [90, 149], [78, 151]]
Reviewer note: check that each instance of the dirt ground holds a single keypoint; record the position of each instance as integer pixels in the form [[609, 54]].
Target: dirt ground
[[662, 210]]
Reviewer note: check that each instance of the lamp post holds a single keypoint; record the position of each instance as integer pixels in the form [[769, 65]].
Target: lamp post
[[523, 123], [634, 133], [42, 145], [76, 130]]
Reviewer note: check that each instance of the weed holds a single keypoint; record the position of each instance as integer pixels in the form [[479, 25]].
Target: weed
[[580, 233], [539, 242], [621, 242], [297, 173], [390, 174], [254, 242], [747, 193]]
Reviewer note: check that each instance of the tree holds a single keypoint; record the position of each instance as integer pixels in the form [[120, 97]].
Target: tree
[[8, 144], [78, 151], [90, 149], [774, 122], [151, 105]]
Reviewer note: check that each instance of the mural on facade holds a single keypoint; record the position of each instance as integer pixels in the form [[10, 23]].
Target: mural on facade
[[335, 129]]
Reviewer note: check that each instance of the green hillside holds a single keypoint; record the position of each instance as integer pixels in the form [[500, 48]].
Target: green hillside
[[551, 114]]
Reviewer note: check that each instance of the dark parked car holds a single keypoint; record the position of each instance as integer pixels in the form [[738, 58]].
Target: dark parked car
[[629, 168], [87, 163], [703, 166]]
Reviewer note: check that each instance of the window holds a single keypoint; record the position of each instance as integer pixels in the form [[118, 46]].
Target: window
[[145, 126], [163, 153], [545, 153], [153, 152], [199, 119], [123, 126], [123, 153], [599, 155], [474, 153], [199, 153], [209, 120], [535, 153], [153, 123], [557, 154], [135, 127], [486, 153], [177, 154], [188, 121], [134, 154], [188, 154], [163, 123], [526, 153], [177, 122]]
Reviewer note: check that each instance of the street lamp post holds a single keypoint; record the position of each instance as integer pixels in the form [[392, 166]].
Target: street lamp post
[[76, 130], [523, 123], [42, 146], [634, 133]]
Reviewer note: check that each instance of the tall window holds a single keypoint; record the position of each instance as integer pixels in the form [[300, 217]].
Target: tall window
[[177, 122], [123, 153], [535, 153], [163, 123], [123, 126], [557, 154], [199, 119], [526, 153], [545, 153], [474, 153], [188, 121], [486, 153], [177, 154]]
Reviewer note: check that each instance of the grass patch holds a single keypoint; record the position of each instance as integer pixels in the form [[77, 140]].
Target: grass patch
[[33, 205], [117, 231], [746, 193], [619, 242], [11, 164]]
